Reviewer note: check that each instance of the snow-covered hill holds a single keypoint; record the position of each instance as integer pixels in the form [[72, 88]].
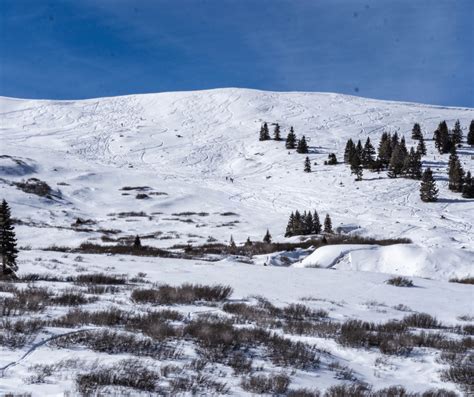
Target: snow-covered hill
[[184, 148]]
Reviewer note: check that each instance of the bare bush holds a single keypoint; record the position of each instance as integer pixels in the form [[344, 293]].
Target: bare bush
[[400, 282], [266, 384], [184, 294], [421, 320], [101, 278]]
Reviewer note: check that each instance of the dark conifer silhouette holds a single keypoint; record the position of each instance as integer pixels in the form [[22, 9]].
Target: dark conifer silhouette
[[470, 134], [137, 242], [302, 146], [327, 224], [428, 189], [416, 132], [264, 133], [291, 139], [267, 238], [307, 165], [468, 186], [457, 133], [276, 133], [8, 246]]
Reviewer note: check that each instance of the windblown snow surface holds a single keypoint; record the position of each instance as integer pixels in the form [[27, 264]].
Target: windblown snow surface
[[197, 157]]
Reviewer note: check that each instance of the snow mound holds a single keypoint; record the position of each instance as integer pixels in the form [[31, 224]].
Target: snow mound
[[404, 259]]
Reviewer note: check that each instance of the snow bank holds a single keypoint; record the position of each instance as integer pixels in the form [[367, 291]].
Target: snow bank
[[404, 259]]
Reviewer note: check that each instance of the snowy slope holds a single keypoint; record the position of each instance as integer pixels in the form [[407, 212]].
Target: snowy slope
[[185, 144]]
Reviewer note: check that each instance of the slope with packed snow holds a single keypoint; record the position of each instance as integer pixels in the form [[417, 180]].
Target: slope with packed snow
[[183, 149]]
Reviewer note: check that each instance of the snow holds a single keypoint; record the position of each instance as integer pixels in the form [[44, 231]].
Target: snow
[[181, 149]]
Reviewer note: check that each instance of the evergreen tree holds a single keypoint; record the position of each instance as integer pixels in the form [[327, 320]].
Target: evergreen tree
[[470, 134], [412, 165], [349, 150], [308, 223], [291, 139], [8, 247], [385, 149], [397, 161], [307, 165], [357, 170], [316, 223], [267, 238], [394, 141], [137, 242], [327, 224], [442, 139], [302, 146], [456, 176], [290, 226], [332, 159], [264, 133], [468, 186], [232, 245], [428, 189], [298, 225], [248, 243], [276, 133], [421, 147], [368, 154], [457, 133], [359, 150], [416, 132]]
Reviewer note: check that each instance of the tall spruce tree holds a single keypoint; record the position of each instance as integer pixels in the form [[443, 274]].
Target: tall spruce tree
[[457, 133], [456, 176], [8, 246], [264, 133], [421, 147], [308, 223], [385, 149], [442, 138], [307, 165], [416, 132], [397, 161], [291, 139], [277, 133], [428, 189], [349, 151], [137, 244], [316, 223], [232, 245], [290, 226], [468, 186], [470, 134], [368, 154], [412, 165], [267, 238], [302, 146], [327, 224]]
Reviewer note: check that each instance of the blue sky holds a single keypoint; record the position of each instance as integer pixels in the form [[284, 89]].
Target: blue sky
[[409, 50]]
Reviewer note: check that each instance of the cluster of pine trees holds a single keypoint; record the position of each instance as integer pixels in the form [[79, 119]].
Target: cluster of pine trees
[[307, 223], [392, 154], [291, 142], [459, 181], [445, 139]]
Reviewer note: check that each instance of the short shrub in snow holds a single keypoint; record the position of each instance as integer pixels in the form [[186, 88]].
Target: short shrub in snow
[[400, 282]]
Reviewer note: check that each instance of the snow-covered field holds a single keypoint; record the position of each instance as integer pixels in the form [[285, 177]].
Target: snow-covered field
[[197, 157]]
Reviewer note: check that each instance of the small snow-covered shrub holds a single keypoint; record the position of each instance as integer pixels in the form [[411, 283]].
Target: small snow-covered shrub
[[266, 384], [72, 297], [78, 317], [199, 384], [400, 282], [303, 393]]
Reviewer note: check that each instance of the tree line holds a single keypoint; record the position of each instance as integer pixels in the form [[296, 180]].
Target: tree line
[[307, 223]]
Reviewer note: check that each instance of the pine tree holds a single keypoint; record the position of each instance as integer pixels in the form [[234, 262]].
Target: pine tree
[[267, 238], [394, 141], [232, 246], [316, 223], [291, 139], [137, 242], [357, 170], [308, 223], [264, 133], [412, 165], [368, 154], [349, 151], [385, 149], [457, 133], [428, 189], [307, 165], [468, 186], [327, 224], [248, 243], [456, 176], [302, 146], [397, 161], [8, 247], [421, 147], [442, 139], [470, 134], [298, 225], [359, 150], [290, 226], [416, 132], [276, 133]]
